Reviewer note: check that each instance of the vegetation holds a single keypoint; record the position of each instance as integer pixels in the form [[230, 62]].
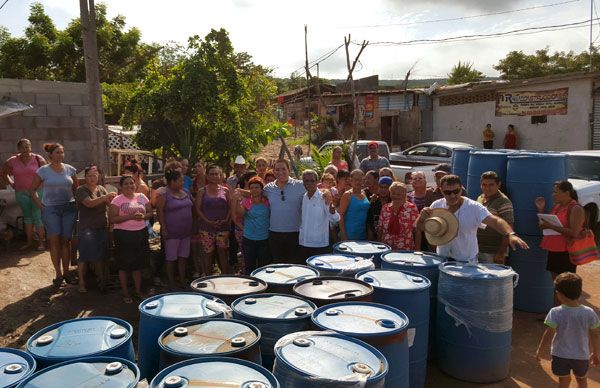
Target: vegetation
[[213, 104], [463, 72]]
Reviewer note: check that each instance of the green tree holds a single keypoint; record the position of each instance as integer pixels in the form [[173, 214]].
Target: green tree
[[46, 53], [212, 105], [463, 72], [518, 65]]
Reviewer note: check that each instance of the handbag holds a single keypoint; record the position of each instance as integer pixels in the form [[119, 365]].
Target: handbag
[[583, 250]]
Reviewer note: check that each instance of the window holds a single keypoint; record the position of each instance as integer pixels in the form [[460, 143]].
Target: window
[[418, 151], [539, 119], [440, 152]]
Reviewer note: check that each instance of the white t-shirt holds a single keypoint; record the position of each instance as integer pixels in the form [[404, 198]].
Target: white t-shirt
[[470, 216]]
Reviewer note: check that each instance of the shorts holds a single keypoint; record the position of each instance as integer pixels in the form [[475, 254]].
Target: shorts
[[131, 249], [211, 240], [32, 215], [176, 248], [559, 262], [92, 244], [563, 366], [59, 219]]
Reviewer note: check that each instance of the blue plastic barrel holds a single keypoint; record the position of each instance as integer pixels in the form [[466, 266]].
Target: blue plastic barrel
[[331, 289], [422, 263], [281, 278], [367, 249], [474, 321], [215, 372], [229, 287], [482, 161], [409, 293], [531, 175], [381, 326], [82, 337], [15, 366], [209, 338], [535, 291], [86, 372], [339, 264], [328, 360], [275, 315], [161, 312], [460, 163]]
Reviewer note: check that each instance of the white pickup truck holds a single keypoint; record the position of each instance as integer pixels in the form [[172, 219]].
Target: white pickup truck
[[584, 174]]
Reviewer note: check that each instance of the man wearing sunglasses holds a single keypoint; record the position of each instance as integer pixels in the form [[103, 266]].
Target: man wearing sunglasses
[[471, 215], [285, 199]]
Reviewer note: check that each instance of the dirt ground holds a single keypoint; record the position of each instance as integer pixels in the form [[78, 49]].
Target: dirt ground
[[29, 303]]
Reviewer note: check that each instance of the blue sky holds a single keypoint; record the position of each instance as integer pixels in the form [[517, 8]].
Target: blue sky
[[273, 31]]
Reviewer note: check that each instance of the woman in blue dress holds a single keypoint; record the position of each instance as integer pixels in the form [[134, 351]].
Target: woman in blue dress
[[354, 206]]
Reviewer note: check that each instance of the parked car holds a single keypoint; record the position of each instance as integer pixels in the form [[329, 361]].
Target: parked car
[[584, 175], [433, 152], [361, 149]]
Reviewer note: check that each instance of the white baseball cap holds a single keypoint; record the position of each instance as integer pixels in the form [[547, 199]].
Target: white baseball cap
[[240, 160]]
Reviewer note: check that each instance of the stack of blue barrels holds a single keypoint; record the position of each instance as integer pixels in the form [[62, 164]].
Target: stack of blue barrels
[[530, 175], [481, 161], [460, 163]]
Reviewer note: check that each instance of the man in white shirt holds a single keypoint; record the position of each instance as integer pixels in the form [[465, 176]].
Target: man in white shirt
[[318, 211], [471, 215]]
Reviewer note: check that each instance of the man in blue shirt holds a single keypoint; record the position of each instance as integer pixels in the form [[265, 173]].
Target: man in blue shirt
[[285, 199]]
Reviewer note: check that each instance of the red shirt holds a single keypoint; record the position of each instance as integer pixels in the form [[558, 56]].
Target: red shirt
[[510, 141]]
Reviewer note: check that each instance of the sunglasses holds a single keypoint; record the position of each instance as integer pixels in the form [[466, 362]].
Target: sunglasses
[[450, 192], [282, 195]]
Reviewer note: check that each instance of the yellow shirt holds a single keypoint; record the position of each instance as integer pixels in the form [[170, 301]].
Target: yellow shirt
[[488, 135]]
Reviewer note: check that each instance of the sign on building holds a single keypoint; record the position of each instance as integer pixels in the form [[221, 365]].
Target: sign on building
[[529, 103]]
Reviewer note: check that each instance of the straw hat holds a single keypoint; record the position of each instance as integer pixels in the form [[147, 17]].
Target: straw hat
[[441, 227]]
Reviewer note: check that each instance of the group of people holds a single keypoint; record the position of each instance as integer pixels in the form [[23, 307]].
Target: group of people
[[510, 138]]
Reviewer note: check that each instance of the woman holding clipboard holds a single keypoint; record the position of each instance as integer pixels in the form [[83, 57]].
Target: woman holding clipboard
[[572, 218]]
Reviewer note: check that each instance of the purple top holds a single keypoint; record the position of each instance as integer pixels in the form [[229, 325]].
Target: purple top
[[178, 215], [214, 208]]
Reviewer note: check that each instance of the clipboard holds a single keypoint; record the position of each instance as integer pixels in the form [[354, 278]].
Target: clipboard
[[551, 219]]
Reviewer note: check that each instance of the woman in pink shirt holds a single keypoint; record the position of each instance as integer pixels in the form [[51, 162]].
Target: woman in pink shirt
[[22, 168], [336, 159], [128, 213]]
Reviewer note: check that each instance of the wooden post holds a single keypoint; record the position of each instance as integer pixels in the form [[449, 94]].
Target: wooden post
[[352, 87], [98, 131], [307, 85]]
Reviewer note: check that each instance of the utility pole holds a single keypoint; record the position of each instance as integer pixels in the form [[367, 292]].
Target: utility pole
[[307, 70], [98, 131], [591, 28]]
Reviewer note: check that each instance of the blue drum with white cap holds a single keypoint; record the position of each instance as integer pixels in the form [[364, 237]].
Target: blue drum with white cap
[[381, 326], [161, 312], [215, 372], [86, 372], [367, 249], [275, 315], [209, 338], [339, 265], [83, 337], [330, 289], [15, 366], [409, 293], [474, 321], [281, 278], [328, 360], [229, 287]]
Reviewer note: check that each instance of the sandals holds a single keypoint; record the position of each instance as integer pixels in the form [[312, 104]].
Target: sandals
[[57, 282], [69, 279]]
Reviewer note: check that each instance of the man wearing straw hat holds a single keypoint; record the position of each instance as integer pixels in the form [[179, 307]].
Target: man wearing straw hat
[[451, 223]]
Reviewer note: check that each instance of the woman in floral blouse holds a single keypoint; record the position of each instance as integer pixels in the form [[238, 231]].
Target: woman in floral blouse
[[397, 220]]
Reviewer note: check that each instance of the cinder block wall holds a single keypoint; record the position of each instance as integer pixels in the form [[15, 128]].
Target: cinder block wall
[[60, 113]]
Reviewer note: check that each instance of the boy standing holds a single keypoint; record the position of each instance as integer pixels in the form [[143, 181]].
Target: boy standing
[[572, 327]]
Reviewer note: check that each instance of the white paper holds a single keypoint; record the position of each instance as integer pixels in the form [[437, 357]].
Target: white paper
[[411, 336], [551, 219]]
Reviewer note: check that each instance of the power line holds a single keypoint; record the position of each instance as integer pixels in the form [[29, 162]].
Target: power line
[[3, 4], [464, 17], [315, 62], [521, 31]]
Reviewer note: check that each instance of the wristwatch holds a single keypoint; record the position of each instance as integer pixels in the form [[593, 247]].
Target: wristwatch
[[510, 234]]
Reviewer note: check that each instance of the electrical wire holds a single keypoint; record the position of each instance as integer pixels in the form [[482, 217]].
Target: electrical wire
[[463, 17], [3, 4], [521, 31]]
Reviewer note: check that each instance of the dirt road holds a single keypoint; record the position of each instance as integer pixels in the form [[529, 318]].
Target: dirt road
[[29, 303]]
